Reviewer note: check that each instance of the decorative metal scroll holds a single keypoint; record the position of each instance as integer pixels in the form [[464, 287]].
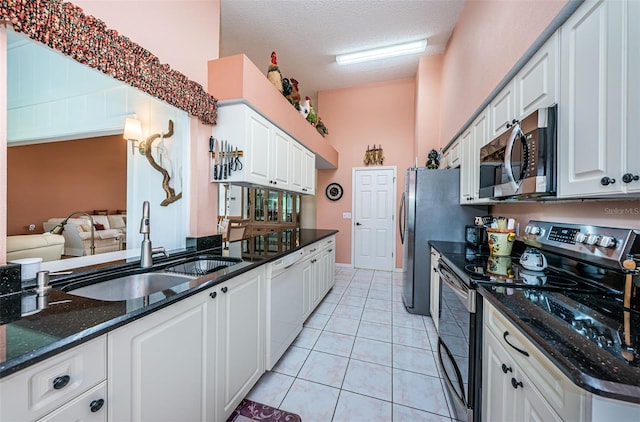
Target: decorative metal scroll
[[171, 193], [64, 27]]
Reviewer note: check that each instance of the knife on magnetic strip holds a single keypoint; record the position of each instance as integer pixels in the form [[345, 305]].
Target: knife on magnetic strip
[[216, 157]]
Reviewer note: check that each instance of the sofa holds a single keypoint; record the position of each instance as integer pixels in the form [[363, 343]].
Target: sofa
[[110, 233], [47, 246]]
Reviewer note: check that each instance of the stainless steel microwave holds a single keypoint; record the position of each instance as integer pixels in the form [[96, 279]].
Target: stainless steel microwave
[[521, 163]]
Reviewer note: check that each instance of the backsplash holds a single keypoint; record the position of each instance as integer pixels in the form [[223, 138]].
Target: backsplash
[[597, 212]]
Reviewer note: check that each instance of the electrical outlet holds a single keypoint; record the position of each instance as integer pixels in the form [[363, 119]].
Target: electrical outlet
[[32, 227], [346, 215]]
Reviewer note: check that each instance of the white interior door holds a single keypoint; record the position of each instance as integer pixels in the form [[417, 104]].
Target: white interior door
[[374, 204]]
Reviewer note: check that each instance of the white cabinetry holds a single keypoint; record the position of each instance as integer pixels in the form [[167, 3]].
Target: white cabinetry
[[451, 156], [600, 101], [88, 407], [161, 367], [519, 386], [472, 140], [240, 331], [58, 383], [271, 157], [318, 274], [434, 306], [194, 360], [534, 86], [502, 110]]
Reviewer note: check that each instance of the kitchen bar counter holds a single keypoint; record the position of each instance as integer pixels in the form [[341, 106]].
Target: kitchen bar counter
[[590, 367], [70, 320]]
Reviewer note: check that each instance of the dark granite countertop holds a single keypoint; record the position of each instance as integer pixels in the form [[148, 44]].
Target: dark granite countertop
[[583, 362], [70, 320]]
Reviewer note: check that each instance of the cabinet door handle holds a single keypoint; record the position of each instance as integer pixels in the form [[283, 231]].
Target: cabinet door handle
[[224, 289], [524, 352], [515, 383], [213, 295], [96, 405], [60, 382], [629, 177], [605, 181], [506, 368], [313, 250], [331, 250]]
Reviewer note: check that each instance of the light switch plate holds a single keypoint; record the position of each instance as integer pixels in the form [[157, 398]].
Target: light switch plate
[[346, 215]]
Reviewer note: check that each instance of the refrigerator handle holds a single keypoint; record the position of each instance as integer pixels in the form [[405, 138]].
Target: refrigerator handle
[[401, 218]]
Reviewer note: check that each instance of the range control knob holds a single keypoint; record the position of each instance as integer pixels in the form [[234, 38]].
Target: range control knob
[[581, 237], [592, 239], [527, 229], [607, 242], [535, 230]]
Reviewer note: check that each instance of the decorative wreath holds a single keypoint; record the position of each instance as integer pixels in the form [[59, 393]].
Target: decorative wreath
[[64, 27]]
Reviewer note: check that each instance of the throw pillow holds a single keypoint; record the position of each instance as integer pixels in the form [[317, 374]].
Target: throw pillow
[[99, 226]]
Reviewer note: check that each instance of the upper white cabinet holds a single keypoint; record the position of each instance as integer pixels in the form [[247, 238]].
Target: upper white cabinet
[[536, 85], [502, 110], [451, 156], [600, 101], [269, 154], [309, 172], [471, 142]]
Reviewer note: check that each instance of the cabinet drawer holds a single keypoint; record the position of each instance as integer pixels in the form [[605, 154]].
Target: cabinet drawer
[[32, 393], [566, 398], [89, 407]]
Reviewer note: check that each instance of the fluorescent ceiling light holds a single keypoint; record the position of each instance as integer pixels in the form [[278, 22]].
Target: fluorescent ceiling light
[[383, 52]]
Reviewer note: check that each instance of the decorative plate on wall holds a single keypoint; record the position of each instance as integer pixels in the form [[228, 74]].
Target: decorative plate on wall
[[334, 191]]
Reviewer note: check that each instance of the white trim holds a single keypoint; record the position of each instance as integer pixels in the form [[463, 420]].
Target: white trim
[[353, 207]]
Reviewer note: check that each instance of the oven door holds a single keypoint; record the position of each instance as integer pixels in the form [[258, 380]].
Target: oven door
[[456, 342]]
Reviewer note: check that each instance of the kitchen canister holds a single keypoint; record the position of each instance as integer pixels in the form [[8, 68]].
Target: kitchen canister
[[500, 241], [29, 267]]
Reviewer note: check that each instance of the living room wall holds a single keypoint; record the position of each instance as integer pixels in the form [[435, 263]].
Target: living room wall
[[54, 179]]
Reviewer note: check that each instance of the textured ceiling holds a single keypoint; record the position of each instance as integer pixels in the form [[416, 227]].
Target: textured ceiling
[[308, 34]]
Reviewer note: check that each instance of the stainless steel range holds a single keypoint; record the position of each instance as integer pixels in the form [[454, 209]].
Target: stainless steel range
[[588, 290]]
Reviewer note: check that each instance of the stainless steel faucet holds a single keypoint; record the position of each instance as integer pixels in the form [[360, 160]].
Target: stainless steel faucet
[[146, 251]]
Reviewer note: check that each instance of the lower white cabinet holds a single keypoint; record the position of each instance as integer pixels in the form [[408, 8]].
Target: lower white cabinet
[[318, 274], [162, 367], [88, 407], [519, 387], [194, 360], [434, 305], [56, 384], [240, 330]]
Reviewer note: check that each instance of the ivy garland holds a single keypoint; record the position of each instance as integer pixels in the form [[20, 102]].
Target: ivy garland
[[64, 27]]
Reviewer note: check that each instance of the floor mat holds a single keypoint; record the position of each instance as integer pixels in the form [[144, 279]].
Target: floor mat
[[248, 411]]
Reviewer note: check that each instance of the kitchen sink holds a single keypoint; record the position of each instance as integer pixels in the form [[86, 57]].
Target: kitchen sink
[[131, 286]]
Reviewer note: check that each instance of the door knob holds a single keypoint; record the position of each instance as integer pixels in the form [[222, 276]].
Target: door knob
[[628, 177]]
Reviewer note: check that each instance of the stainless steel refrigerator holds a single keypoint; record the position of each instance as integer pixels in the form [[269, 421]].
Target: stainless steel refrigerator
[[429, 210]]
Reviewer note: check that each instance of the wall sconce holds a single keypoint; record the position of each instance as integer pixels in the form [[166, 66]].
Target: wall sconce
[[133, 133]]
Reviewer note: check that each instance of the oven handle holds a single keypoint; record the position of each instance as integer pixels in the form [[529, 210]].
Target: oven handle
[[442, 346], [467, 297]]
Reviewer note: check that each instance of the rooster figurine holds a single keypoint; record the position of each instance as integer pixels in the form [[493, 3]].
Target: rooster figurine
[[294, 96], [273, 74], [304, 107], [312, 117], [286, 87], [321, 128]]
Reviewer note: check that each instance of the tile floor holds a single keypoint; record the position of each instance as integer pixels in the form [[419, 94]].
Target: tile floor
[[360, 357]]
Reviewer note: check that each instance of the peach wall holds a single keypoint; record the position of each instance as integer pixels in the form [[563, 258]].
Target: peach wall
[[428, 116], [94, 177], [488, 40], [382, 113], [184, 34]]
